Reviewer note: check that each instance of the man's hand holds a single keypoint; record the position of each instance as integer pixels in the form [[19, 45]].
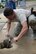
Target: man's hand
[[15, 39]]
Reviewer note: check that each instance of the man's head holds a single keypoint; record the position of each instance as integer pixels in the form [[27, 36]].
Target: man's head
[[9, 13]]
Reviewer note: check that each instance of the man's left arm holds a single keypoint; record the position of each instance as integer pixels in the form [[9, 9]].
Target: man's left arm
[[23, 31]]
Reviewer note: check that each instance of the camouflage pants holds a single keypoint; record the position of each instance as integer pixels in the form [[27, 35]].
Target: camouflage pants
[[16, 30]]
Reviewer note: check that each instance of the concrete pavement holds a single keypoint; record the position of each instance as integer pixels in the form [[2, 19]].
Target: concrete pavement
[[24, 46]]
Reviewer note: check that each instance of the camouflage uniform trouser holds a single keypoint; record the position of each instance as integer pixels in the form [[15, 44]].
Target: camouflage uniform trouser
[[16, 30]]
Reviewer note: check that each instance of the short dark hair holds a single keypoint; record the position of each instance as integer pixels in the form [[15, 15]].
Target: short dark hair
[[8, 11]]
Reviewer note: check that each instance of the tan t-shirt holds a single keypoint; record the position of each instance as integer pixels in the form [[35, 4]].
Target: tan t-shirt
[[21, 16]]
